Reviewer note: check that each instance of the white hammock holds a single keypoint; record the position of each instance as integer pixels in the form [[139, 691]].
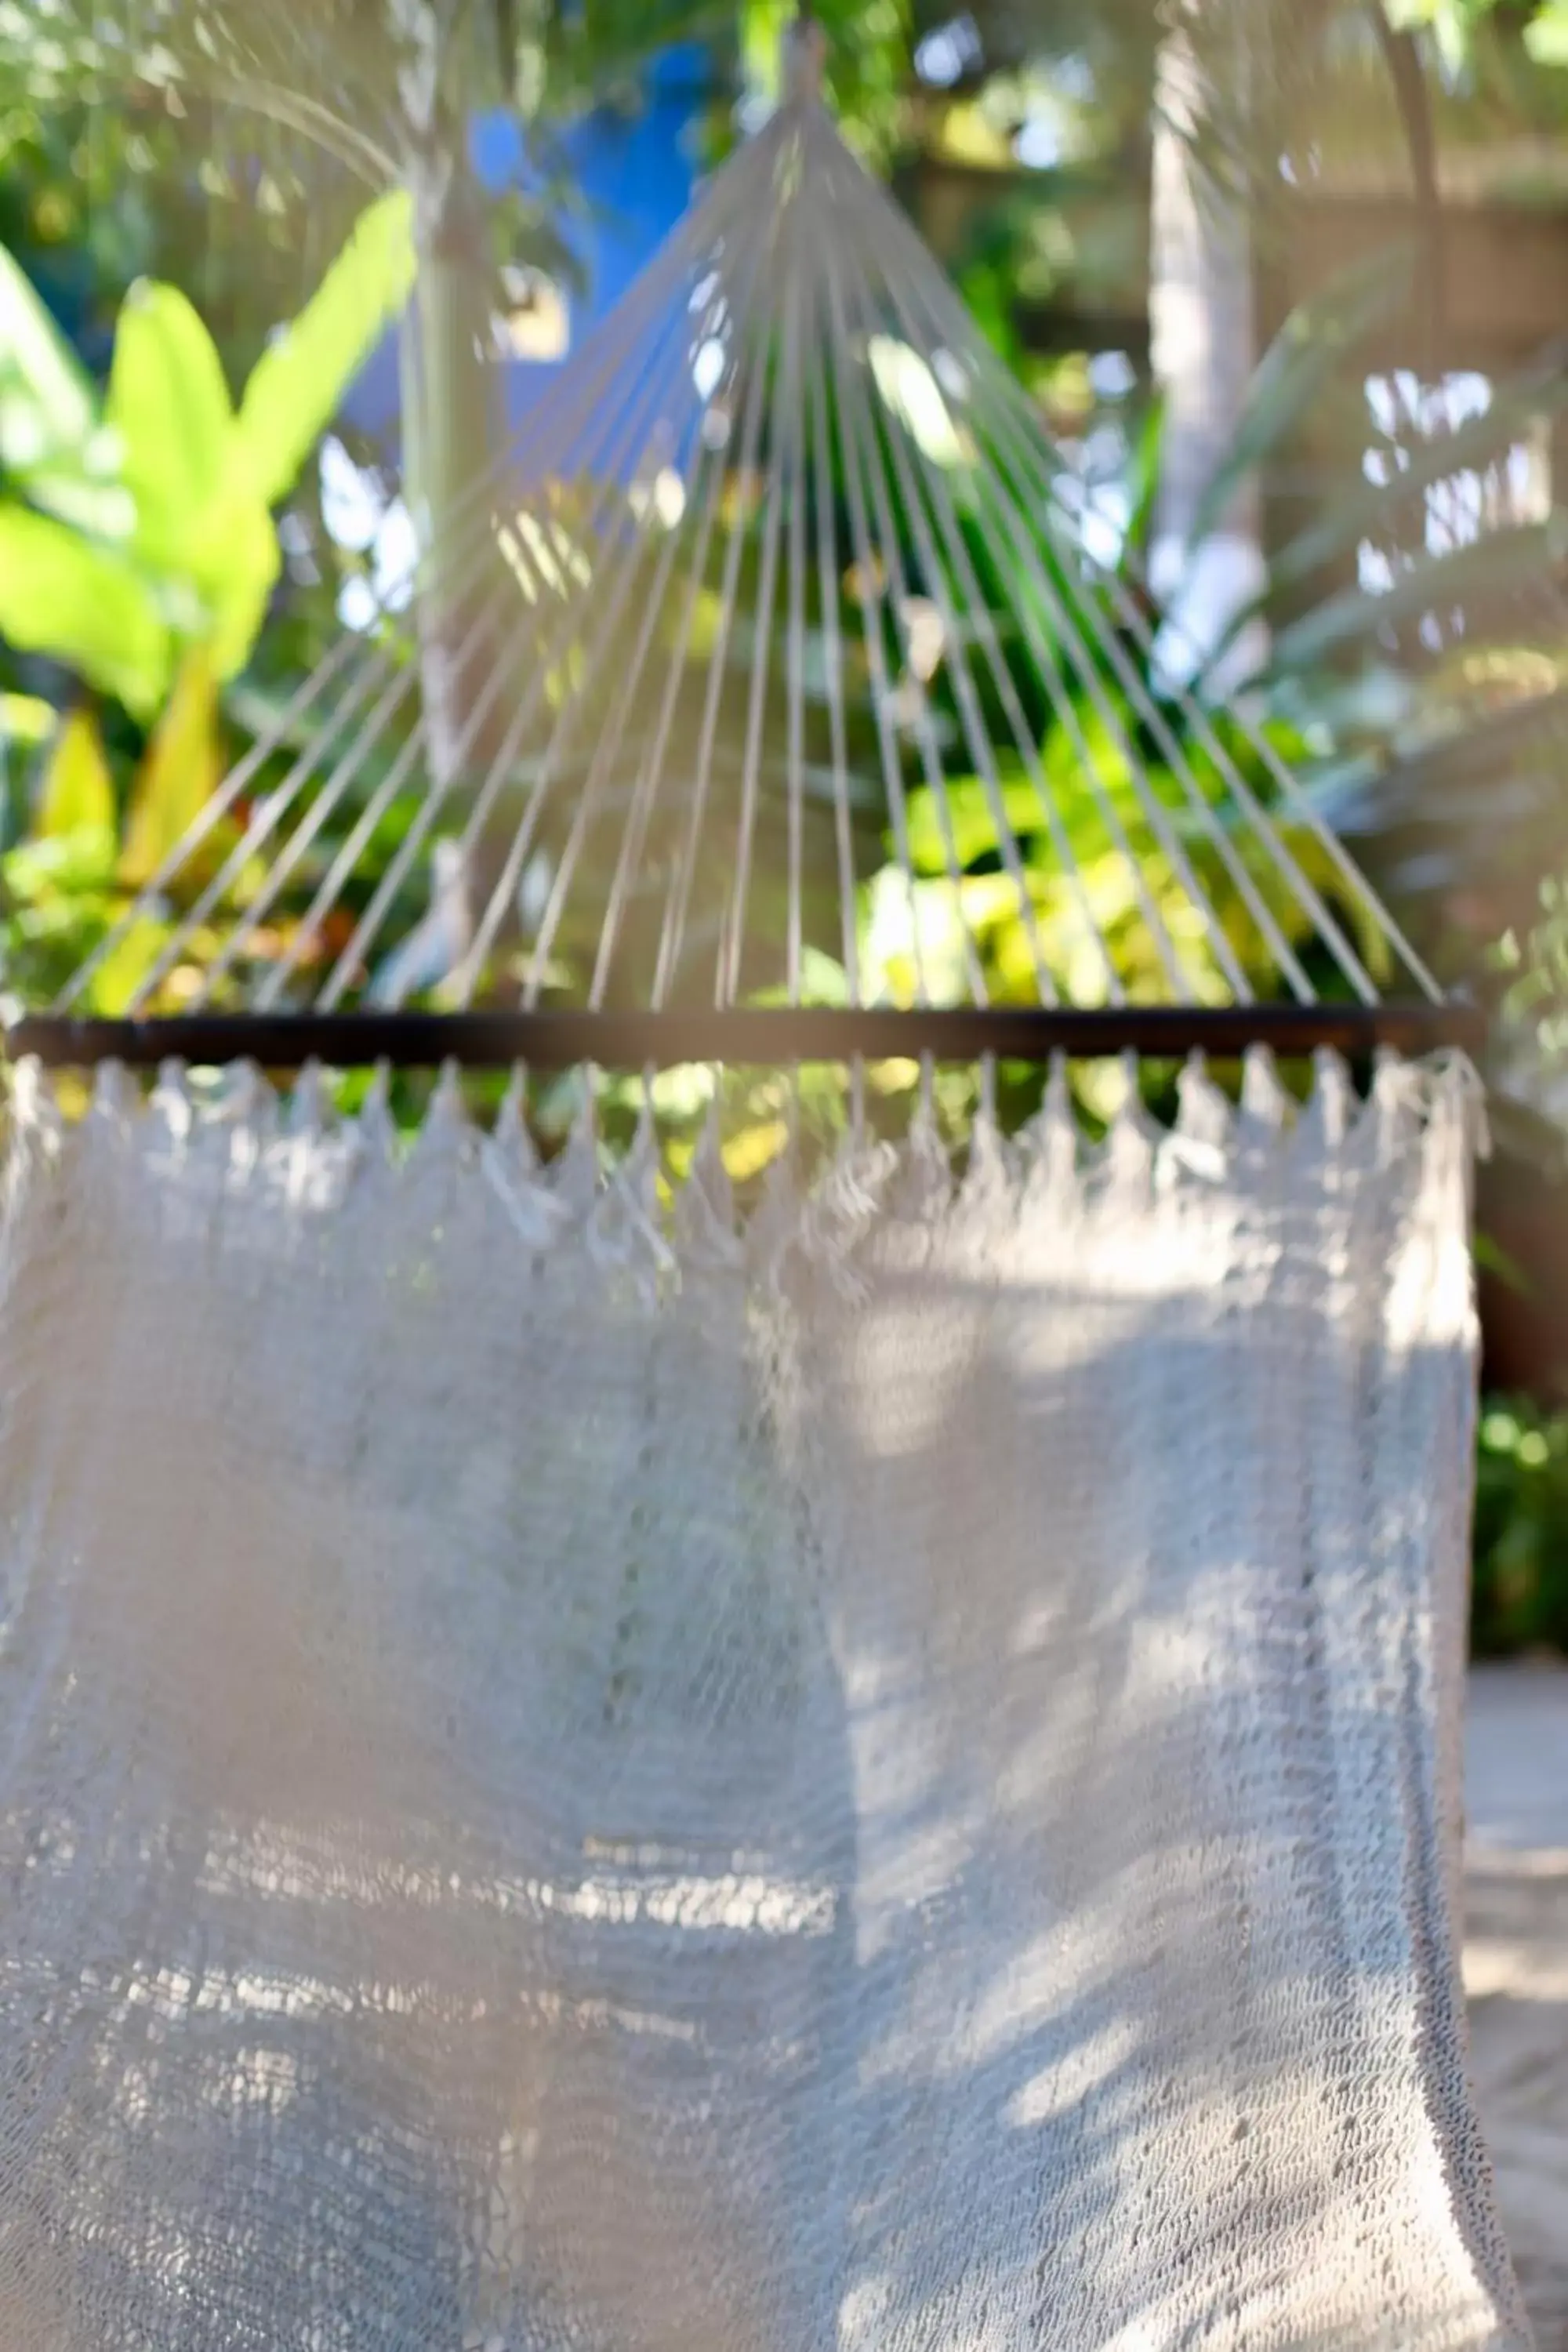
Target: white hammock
[[585, 1772], [883, 1779]]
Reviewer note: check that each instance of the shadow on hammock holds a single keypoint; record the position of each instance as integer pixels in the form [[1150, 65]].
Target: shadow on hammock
[[904, 1812]]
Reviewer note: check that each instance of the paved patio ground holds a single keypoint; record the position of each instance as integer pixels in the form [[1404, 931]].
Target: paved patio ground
[[1516, 1965]]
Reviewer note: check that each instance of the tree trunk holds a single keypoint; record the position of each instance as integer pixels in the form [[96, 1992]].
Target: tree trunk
[[453, 422], [450, 434], [1204, 334]]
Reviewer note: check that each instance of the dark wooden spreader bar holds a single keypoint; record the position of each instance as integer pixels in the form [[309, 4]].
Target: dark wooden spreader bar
[[754, 1036]]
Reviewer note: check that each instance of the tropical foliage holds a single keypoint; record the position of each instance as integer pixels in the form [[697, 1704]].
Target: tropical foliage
[[138, 555], [1520, 1597], [136, 531]]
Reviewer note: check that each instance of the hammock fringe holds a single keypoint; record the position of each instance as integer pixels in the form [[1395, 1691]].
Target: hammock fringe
[[635, 1212]]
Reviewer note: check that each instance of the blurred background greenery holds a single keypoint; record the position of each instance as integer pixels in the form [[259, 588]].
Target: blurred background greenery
[[1336, 489]]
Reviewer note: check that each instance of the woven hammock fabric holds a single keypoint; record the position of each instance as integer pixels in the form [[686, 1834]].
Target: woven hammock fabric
[[877, 1775]]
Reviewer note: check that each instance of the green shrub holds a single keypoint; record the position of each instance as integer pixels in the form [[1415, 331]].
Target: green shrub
[[1520, 1590]]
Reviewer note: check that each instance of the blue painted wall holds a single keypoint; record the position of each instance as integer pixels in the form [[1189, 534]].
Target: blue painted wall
[[635, 173]]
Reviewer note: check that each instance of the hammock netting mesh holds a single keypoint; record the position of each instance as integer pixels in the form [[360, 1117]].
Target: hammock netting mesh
[[587, 1767], [878, 1775]]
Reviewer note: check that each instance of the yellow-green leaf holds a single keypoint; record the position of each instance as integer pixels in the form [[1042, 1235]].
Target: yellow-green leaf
[[49, 877], [170, 405], [118, 979], [179, 772], [238, 569], [1547, 37], [85, 606], [40, 374], [26, 720], [77, 792], [299, 383]]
